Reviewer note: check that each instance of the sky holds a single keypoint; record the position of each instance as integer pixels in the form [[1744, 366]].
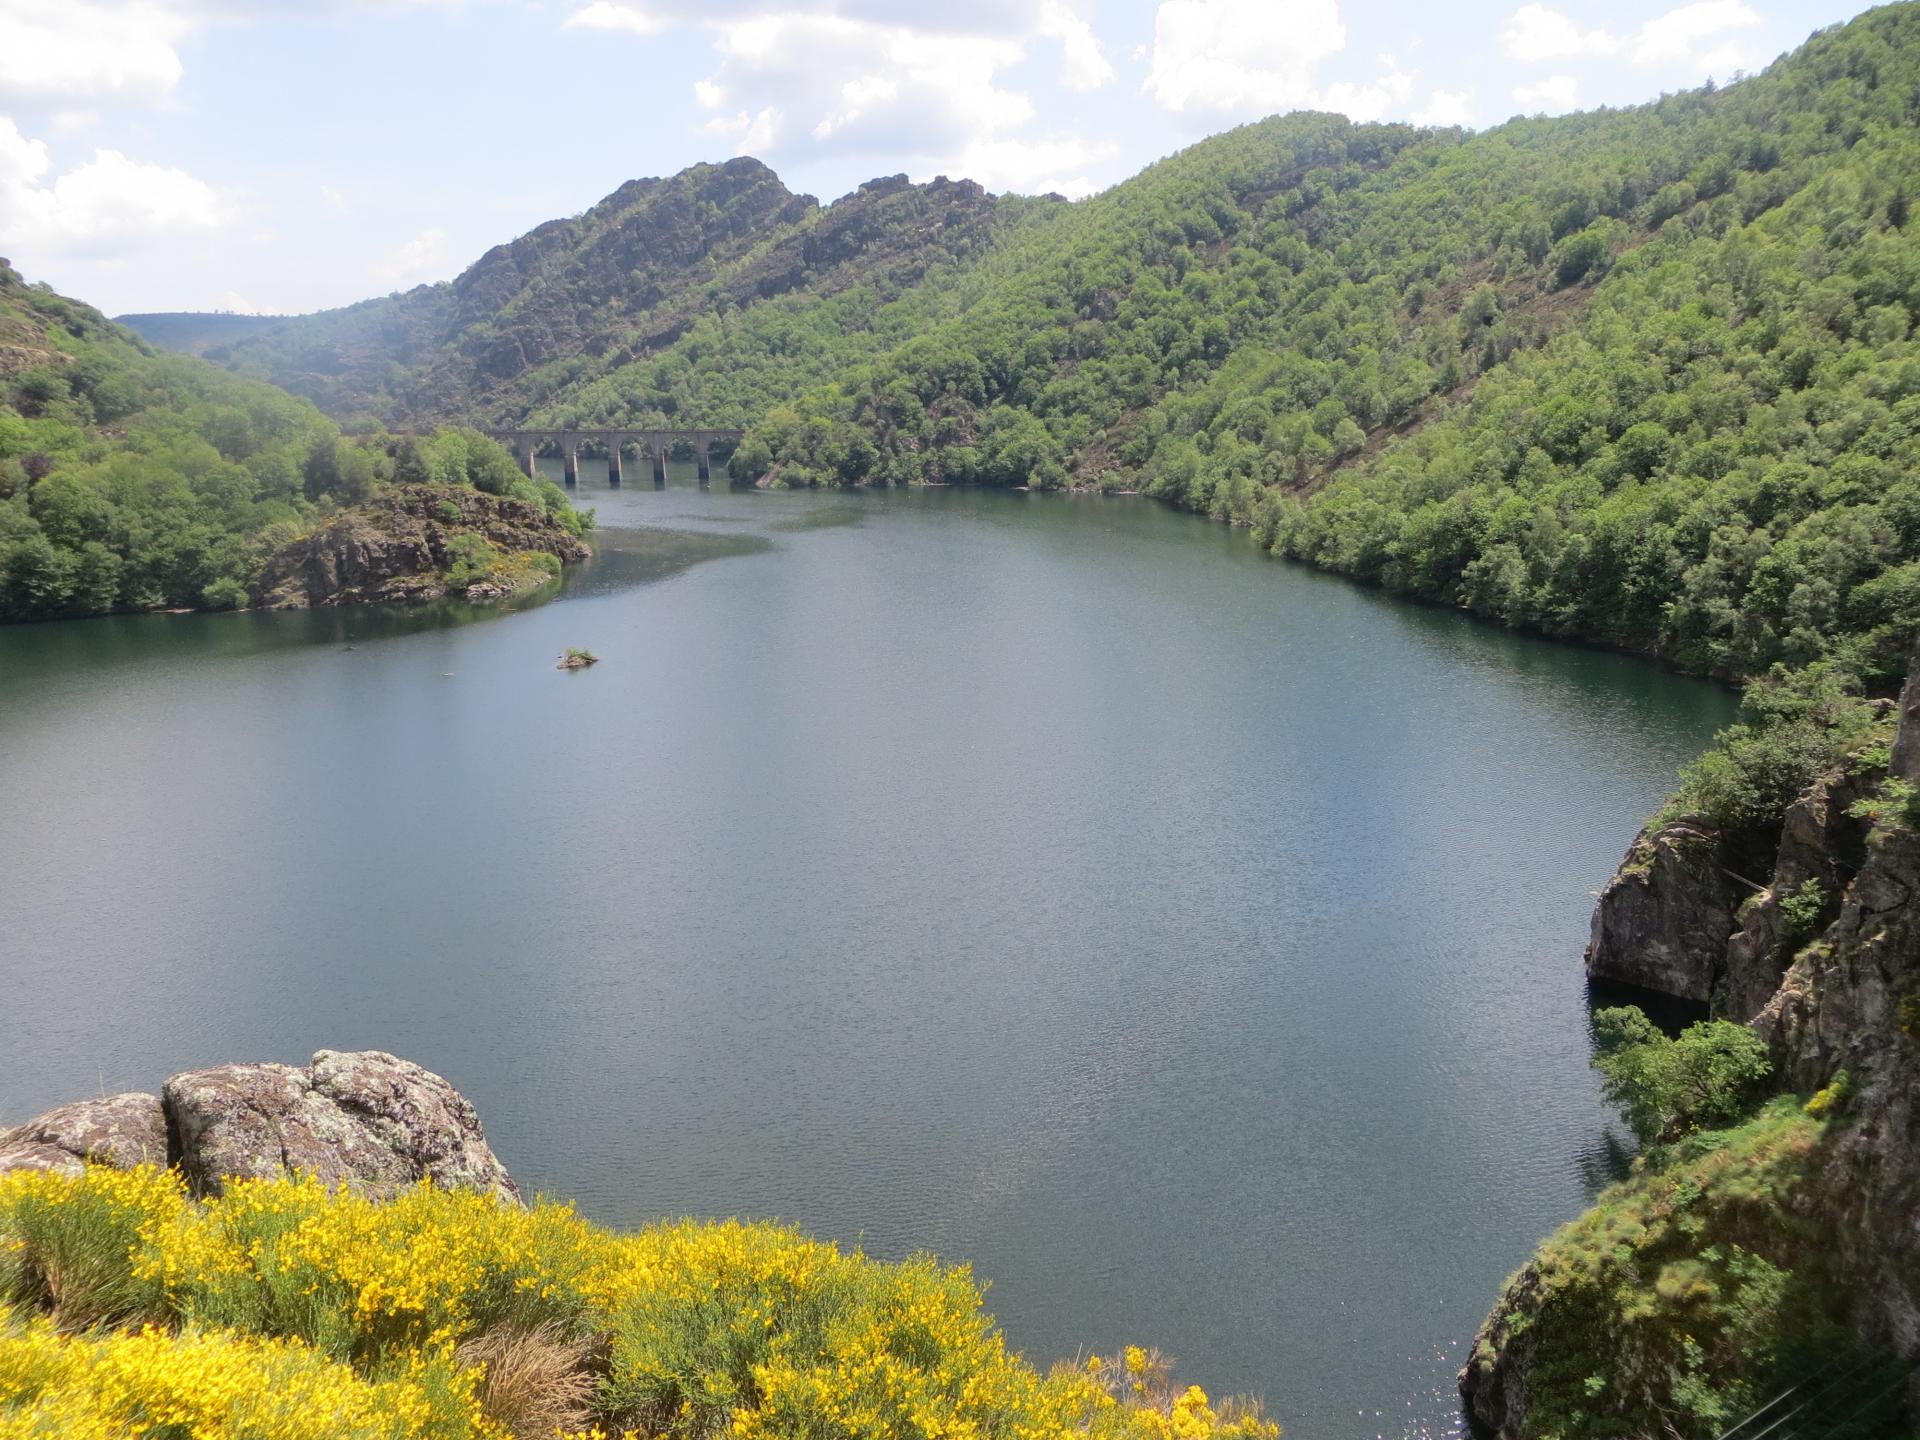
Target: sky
[[290, 155]]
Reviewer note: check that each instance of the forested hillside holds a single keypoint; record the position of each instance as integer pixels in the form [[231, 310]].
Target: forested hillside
[[136, 480], [131, 479]]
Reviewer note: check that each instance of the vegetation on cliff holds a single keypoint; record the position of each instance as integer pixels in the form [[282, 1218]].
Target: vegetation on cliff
[[702, 298], [281, 1311], [1686, 1298]]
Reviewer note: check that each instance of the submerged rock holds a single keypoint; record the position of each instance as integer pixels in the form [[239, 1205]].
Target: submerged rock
[[118, 1130], [1663, 921], [364, 1119]]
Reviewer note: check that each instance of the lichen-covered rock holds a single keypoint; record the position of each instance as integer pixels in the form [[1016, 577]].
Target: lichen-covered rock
[[1663, 921], [362, 1118], [118, 1130]]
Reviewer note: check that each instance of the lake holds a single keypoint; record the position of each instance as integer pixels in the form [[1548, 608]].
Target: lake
[[1189, 941]]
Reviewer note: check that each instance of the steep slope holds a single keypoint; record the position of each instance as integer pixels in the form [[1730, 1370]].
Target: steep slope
[[1641, 376], [574, 299]]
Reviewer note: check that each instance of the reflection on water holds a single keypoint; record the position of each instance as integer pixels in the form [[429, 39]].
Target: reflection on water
[[1189, 941]]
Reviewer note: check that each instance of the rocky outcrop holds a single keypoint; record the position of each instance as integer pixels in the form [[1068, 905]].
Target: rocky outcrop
[[364, 1119], [1821, 849], [117, 1130], [1663, 921], [1679, 919], [400, 546], [1833, 984]]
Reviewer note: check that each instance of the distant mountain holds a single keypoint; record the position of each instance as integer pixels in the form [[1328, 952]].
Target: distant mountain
[[580, 298]]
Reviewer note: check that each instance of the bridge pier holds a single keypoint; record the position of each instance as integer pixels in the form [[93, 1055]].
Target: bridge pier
[[651, 447]]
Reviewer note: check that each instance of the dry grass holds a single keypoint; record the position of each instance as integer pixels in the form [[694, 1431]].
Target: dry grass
[[537, 1383]]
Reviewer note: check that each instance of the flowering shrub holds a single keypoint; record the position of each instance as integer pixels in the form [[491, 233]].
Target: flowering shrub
[[282, 1310]]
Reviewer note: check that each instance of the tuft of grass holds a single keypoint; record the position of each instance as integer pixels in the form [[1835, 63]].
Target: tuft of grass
[[534, 1381]]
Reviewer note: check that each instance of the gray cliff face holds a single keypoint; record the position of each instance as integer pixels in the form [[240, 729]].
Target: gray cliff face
[[1677, 918], [1819, 843], [1851, 1002], [1663, 921], [364, 1119]]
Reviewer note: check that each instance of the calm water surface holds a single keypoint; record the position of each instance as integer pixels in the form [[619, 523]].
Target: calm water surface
[[1188, 941]]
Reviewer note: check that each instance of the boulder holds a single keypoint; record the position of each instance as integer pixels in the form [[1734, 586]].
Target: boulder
[[1664, 919], [117, 1130], [365, 1119]]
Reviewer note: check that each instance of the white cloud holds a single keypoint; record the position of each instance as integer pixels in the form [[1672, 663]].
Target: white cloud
[[1670, 39], [57, 52], [861, 86], [1241, 56], [1446, 107], [108, 208], [610, 15], [707, 95], [60, 51], [1552, 96], [1083, 64], [1536, 33], [1736, 56], [1374, 100], [334, 200], [421, 259], [1059, 164], [754, 134]]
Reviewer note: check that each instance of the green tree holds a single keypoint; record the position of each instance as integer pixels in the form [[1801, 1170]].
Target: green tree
[[1711, 1076]]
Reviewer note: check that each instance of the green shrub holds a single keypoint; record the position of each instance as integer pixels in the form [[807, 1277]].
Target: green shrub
[[1712, 1075]]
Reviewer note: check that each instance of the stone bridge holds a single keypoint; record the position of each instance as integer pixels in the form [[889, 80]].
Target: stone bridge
[[653, 445]]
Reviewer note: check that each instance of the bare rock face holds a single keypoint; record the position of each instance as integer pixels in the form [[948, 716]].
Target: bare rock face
[[1663, 921], [1819, 842], [119, 1130], [364, 1118]]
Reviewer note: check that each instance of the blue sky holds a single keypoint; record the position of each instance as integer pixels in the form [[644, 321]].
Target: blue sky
[[286, 155]]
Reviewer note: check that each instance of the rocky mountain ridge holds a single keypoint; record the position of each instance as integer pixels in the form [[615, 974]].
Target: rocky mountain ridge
[[590, 293]]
